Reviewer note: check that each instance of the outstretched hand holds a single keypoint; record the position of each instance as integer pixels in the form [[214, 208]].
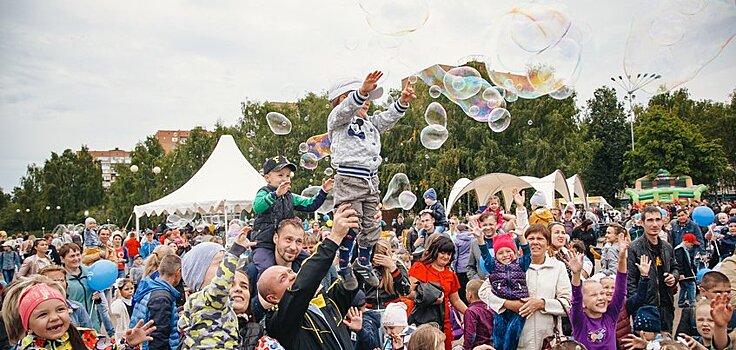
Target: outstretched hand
[[328, 184], [243, 237], [574, 261], [370, 83], [139, 333], [345, 219], [644, 265], [407, 95], [354, 319], [519, 197]]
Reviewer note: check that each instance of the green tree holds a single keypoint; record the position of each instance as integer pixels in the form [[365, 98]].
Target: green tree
[[607, 125], [665, 141], [29, 198], [73, 182]]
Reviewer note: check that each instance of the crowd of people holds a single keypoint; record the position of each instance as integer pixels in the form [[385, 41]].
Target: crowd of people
[[538, 277]]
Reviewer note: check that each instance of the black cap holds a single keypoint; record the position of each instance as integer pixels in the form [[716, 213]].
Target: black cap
[[277, 163]]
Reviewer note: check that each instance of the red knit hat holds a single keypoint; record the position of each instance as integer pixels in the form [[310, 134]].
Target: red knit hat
[[503, 241]]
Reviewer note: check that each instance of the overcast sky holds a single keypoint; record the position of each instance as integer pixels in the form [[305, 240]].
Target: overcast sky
[[109, 73]]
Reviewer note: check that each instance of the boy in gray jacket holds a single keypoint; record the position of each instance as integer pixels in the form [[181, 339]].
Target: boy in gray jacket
[[356, 154]]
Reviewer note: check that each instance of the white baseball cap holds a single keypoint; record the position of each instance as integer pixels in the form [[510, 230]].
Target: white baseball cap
[[351, 84]]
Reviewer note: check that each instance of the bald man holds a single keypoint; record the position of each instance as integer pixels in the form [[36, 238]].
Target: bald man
[[301, 320]]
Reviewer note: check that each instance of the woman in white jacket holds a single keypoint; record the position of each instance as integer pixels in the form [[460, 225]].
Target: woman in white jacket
[[549, 292], [122, 307]]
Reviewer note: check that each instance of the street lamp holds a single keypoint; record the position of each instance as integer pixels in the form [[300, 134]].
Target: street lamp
[[17, 210], [86, 213], [133, 168], [48, 207], [28, 210], [58, 207], [632, 85]]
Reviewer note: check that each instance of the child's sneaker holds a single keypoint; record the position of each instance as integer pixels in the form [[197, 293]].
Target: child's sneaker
[[348, 278], [366, 273]]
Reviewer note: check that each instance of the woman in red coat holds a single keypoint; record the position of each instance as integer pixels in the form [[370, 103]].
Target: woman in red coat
[[435, 267]]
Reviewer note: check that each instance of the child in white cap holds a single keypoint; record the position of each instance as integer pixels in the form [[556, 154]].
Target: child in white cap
[[396, 326], [356, 154]]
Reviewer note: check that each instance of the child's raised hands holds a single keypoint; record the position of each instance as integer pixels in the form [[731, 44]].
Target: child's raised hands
[[328, 184], [574, 261], [721, 310], [519, 197], [407, 95], [139, 333], [370, 83]]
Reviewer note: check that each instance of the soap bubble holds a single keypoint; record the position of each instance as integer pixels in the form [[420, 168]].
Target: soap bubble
[[433, 136], [306, 118], [493, 97], [537, 49], [319, 145], [462, 82], [308, 161], [395, 18], [435, 114], [499, 120], [561, 93], [435, 91], [303, 147], [398, 184], [250, 134], [407, 200], [673, 40], [329, 202], [426, 156], [473, 111], [529, 122], [351, 43], [250, 149], [278, 123], [511, 96], [412, 79], [329, 172]]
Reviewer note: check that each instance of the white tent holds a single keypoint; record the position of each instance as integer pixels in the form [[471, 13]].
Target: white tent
[[225, 183], [577, 189], [554, 182], [485, 186]]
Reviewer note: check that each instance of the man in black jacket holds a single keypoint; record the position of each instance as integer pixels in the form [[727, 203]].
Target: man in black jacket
[[664, 272], [302, 320]]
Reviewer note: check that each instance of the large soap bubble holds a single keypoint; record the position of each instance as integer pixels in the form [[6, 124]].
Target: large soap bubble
[[329, 202], [395, 18], [561, 93], [499, 120], [462, 82], [433, 136], [675, 39], [536, 50], [398, 184], [278, 123], [319, 145], [435, 91], [407, 200], [309, 161], [435, 75], [435, 114]]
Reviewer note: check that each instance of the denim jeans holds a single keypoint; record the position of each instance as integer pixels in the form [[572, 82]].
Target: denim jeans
[[687, 293], [104, 315], [507, 328], [8, 275]]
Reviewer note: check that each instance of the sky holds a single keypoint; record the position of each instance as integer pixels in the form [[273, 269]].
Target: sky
[[107, 74]]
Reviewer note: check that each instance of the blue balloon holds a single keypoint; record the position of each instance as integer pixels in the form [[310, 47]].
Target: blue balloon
[[483, 265], [701, 273], [703, 215], [665, 213], [325, 218], [102, 274]]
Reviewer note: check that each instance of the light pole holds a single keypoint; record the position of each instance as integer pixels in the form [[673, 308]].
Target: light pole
[[631, 85]]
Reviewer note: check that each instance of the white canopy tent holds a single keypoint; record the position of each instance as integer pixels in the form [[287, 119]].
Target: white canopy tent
[[486, 186], [577, 189], [226, 182], [554, 182], [490, 184]]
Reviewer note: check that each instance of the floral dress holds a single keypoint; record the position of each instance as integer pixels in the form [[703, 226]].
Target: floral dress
[[91, 339]]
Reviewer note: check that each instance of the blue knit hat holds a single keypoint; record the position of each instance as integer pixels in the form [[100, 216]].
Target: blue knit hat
[[195, 263], [647, 319], [431, 194]]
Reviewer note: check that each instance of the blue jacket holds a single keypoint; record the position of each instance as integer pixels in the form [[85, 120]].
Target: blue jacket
[[147, 248], [155, 300]]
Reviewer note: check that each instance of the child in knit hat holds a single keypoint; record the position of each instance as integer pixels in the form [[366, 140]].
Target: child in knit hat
[[46, 323], [438, 210], [356, 154], [396, 326], [540, 213], [507, 277], [648, 326]]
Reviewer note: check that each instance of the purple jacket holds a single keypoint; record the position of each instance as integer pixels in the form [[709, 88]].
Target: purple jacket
[[509, 281], [478, 330], [462, 249]]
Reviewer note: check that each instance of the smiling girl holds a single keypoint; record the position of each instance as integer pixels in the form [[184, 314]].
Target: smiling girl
[[43, 318]]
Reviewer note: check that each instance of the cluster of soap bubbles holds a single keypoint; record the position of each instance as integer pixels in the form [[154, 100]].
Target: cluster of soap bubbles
[[278, 123], [536, 51], [435, 134], [394, 18], [465, 87], [315, 148], [399, 194], [175, 221], [676, 39], [329, 203]]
